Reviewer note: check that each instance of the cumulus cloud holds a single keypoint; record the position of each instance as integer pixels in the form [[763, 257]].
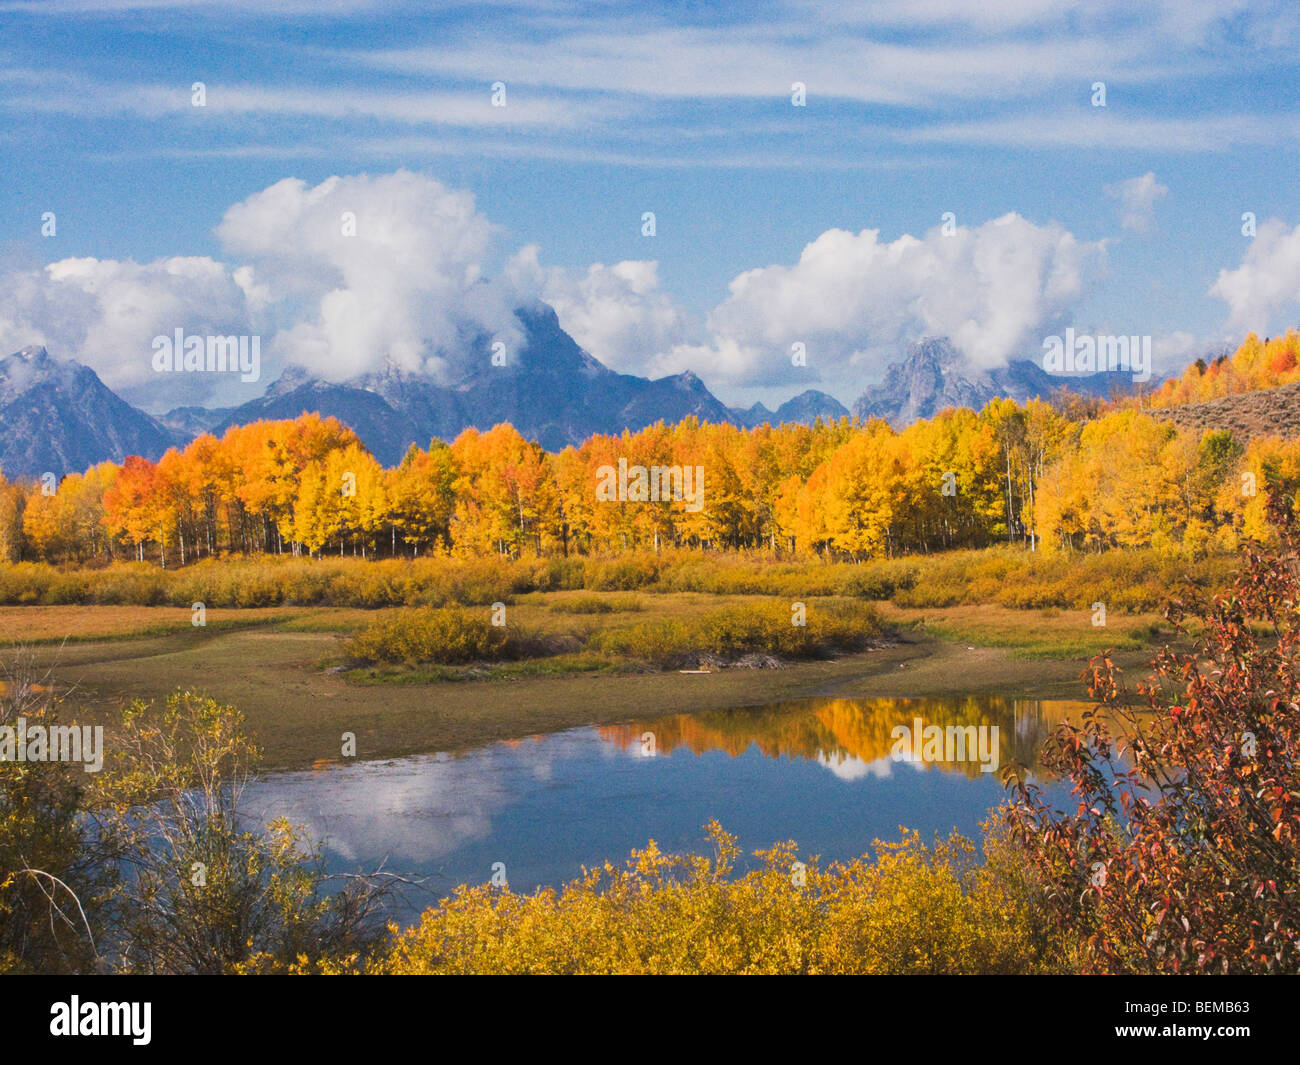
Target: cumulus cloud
[[106, 312], [1137, 201], [364, 274], [618, 313], [853, 299], [1267, 283], [355, 275]]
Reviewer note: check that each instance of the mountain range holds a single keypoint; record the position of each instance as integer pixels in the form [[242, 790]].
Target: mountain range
[[551, 390], [57, 415], [935, 376]]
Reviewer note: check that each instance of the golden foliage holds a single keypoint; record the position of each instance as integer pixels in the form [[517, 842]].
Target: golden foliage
[[1034, 474], [913, 909], [1256, 364]]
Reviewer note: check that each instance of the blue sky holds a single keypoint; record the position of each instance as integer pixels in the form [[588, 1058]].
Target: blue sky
[[1123, 218]]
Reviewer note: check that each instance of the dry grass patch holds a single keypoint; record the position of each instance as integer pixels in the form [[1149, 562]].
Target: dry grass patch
[[54, 624], [1047, 633]]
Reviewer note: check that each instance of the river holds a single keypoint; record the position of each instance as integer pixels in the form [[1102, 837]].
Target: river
[[830, 774]]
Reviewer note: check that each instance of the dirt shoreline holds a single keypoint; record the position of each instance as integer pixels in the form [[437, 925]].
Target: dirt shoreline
[[299, 712]]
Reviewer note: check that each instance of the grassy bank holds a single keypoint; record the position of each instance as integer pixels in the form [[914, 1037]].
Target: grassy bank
[[405, 655], [298, 710], [1125, 580]]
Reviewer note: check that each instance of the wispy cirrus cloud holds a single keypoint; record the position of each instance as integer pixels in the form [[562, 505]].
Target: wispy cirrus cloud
[[258, 8], [1094, 128], [704, 63], [86, 97], [594, 82]]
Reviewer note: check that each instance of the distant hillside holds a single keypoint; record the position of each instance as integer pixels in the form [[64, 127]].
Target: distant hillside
[[804, 409], [1267, 412], [1256, 364]]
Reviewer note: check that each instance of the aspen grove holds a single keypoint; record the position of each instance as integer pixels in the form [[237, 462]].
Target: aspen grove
[[1051, 476]]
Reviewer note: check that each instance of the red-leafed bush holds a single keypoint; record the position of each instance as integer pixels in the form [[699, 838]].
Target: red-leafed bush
[[1183, 853]]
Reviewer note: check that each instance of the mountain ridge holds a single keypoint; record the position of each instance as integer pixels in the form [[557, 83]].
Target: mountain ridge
[[934, 375], [58, 416]]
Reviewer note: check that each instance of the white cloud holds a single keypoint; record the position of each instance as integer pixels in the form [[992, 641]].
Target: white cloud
[[467, 109], [618, 313], [1137, 201], [853, 299], [1189, 22], [410, 291], [105, 313], [1113, 132], [851, 768], [1267, 283], [406, 291], [410, 810], [1172, 352], [257, 8], [947, 71], [900, 52], [50, 91], [702, 63]]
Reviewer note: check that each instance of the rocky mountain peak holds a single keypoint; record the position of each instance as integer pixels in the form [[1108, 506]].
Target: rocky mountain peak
[[57, 416], [935, 375]]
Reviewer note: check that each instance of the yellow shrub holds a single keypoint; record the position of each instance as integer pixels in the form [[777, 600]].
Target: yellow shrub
[[449, 635], [915, 909]]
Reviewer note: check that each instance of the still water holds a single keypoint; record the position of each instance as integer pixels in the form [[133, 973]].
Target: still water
[[830, 774]]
